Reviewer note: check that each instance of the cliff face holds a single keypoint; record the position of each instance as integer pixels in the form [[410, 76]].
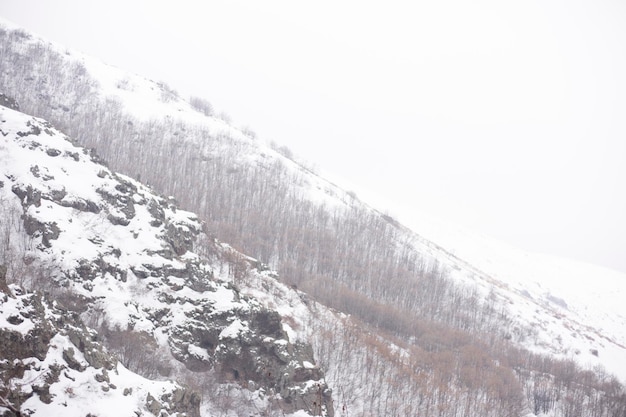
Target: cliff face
[[51, 364], [110, 252]]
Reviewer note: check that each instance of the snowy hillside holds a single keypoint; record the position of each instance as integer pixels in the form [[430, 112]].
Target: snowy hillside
[[128, 261], [575, 310], [452, 316]]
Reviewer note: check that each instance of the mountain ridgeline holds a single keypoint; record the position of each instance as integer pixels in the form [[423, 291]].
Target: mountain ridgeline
[[415, 341]]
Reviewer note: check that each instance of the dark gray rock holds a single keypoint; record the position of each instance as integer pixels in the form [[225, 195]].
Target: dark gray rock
[[180, 238], [74, 155], [153, 405], [35, 130], [91, 350], [35, 343], [81, 205], [157, 212], [72, 362], [183, 400], [46, 230], [28, 196], [122, 201]]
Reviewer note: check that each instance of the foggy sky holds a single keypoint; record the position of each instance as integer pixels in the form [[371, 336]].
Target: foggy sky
[[503, 117]]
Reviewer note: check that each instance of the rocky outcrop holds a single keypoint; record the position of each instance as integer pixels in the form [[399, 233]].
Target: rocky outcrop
[[178, 400], [126, 260], [45, 349], [32, 343], [249, 346]]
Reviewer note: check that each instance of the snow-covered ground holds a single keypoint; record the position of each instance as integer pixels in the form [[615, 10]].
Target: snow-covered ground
[[572, 309], [575, 310]]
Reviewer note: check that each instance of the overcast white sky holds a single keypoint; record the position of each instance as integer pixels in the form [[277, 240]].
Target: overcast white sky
[[506, 117]]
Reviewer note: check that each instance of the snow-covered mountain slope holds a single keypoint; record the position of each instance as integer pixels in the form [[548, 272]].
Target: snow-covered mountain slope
[[160, 294], [529, 301], [129, 261], [572, 309], [560, 307], [146, 101]]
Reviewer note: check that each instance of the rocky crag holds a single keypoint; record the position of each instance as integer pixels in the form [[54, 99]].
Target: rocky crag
[[104, 249], [51, 364]]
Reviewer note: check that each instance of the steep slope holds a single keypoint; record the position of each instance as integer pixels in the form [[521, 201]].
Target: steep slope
[[563, 308], [52, 365], [105, 246], [574, 309], [437, 307]]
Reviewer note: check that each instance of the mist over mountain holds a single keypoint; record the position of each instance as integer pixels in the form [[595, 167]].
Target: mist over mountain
[[363, 316]]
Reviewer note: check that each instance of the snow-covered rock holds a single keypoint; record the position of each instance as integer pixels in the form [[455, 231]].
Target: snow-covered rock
[[50, 364], [128, 261]]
